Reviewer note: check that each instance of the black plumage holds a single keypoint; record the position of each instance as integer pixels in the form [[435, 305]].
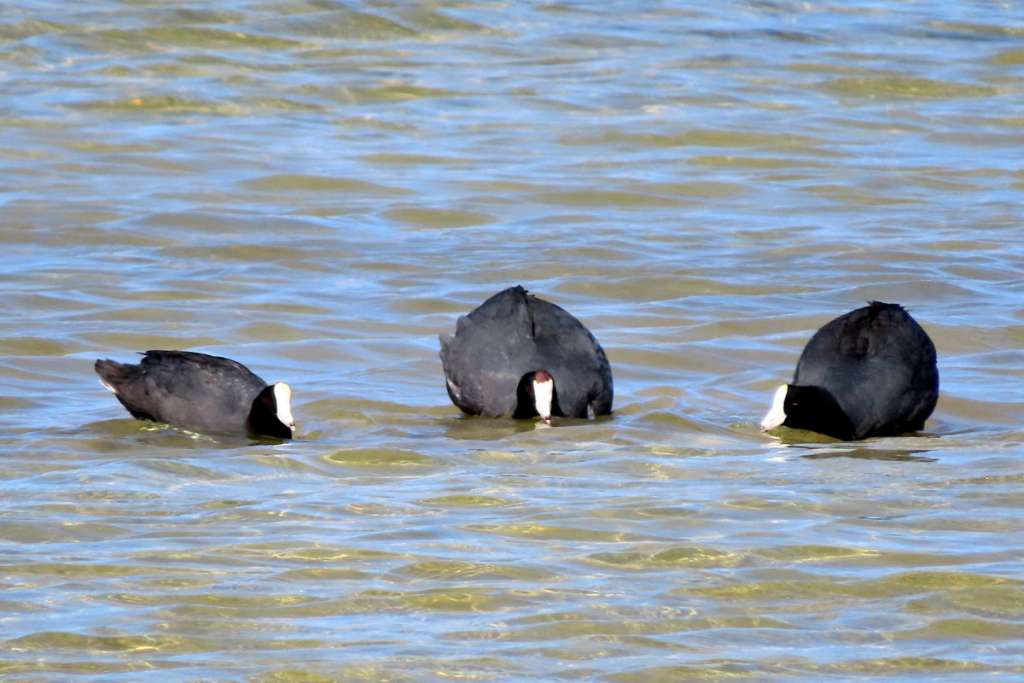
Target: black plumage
[[199, 392], [870, 372], [514, 338]]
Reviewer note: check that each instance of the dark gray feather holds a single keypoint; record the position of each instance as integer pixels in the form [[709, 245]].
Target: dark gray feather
[[191, 390], [879, 365], [514, 333]]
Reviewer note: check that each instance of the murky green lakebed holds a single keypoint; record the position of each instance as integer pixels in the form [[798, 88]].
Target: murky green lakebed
[[319, 189]]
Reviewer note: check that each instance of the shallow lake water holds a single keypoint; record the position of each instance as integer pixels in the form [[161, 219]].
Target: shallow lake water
[[318, 189]]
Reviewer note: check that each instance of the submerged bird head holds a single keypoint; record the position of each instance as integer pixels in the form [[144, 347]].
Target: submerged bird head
[[271, 413], [808, 407]]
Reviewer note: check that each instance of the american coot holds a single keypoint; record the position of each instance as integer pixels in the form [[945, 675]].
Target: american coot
[[520, 356], [871, 372], [201, 393]]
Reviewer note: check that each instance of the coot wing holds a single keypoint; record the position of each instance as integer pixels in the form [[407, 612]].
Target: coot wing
[[491, 350], [567, 350], [193, 390]]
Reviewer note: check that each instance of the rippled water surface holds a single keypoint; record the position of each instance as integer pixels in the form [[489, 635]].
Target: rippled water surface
[[319, 189]]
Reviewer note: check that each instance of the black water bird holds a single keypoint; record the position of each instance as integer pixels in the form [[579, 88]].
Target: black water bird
[[871, 372], [519, 356], [201, 393]]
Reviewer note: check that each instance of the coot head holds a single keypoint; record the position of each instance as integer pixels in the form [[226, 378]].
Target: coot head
[[271, 413], [808, 407], [536, 396]]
